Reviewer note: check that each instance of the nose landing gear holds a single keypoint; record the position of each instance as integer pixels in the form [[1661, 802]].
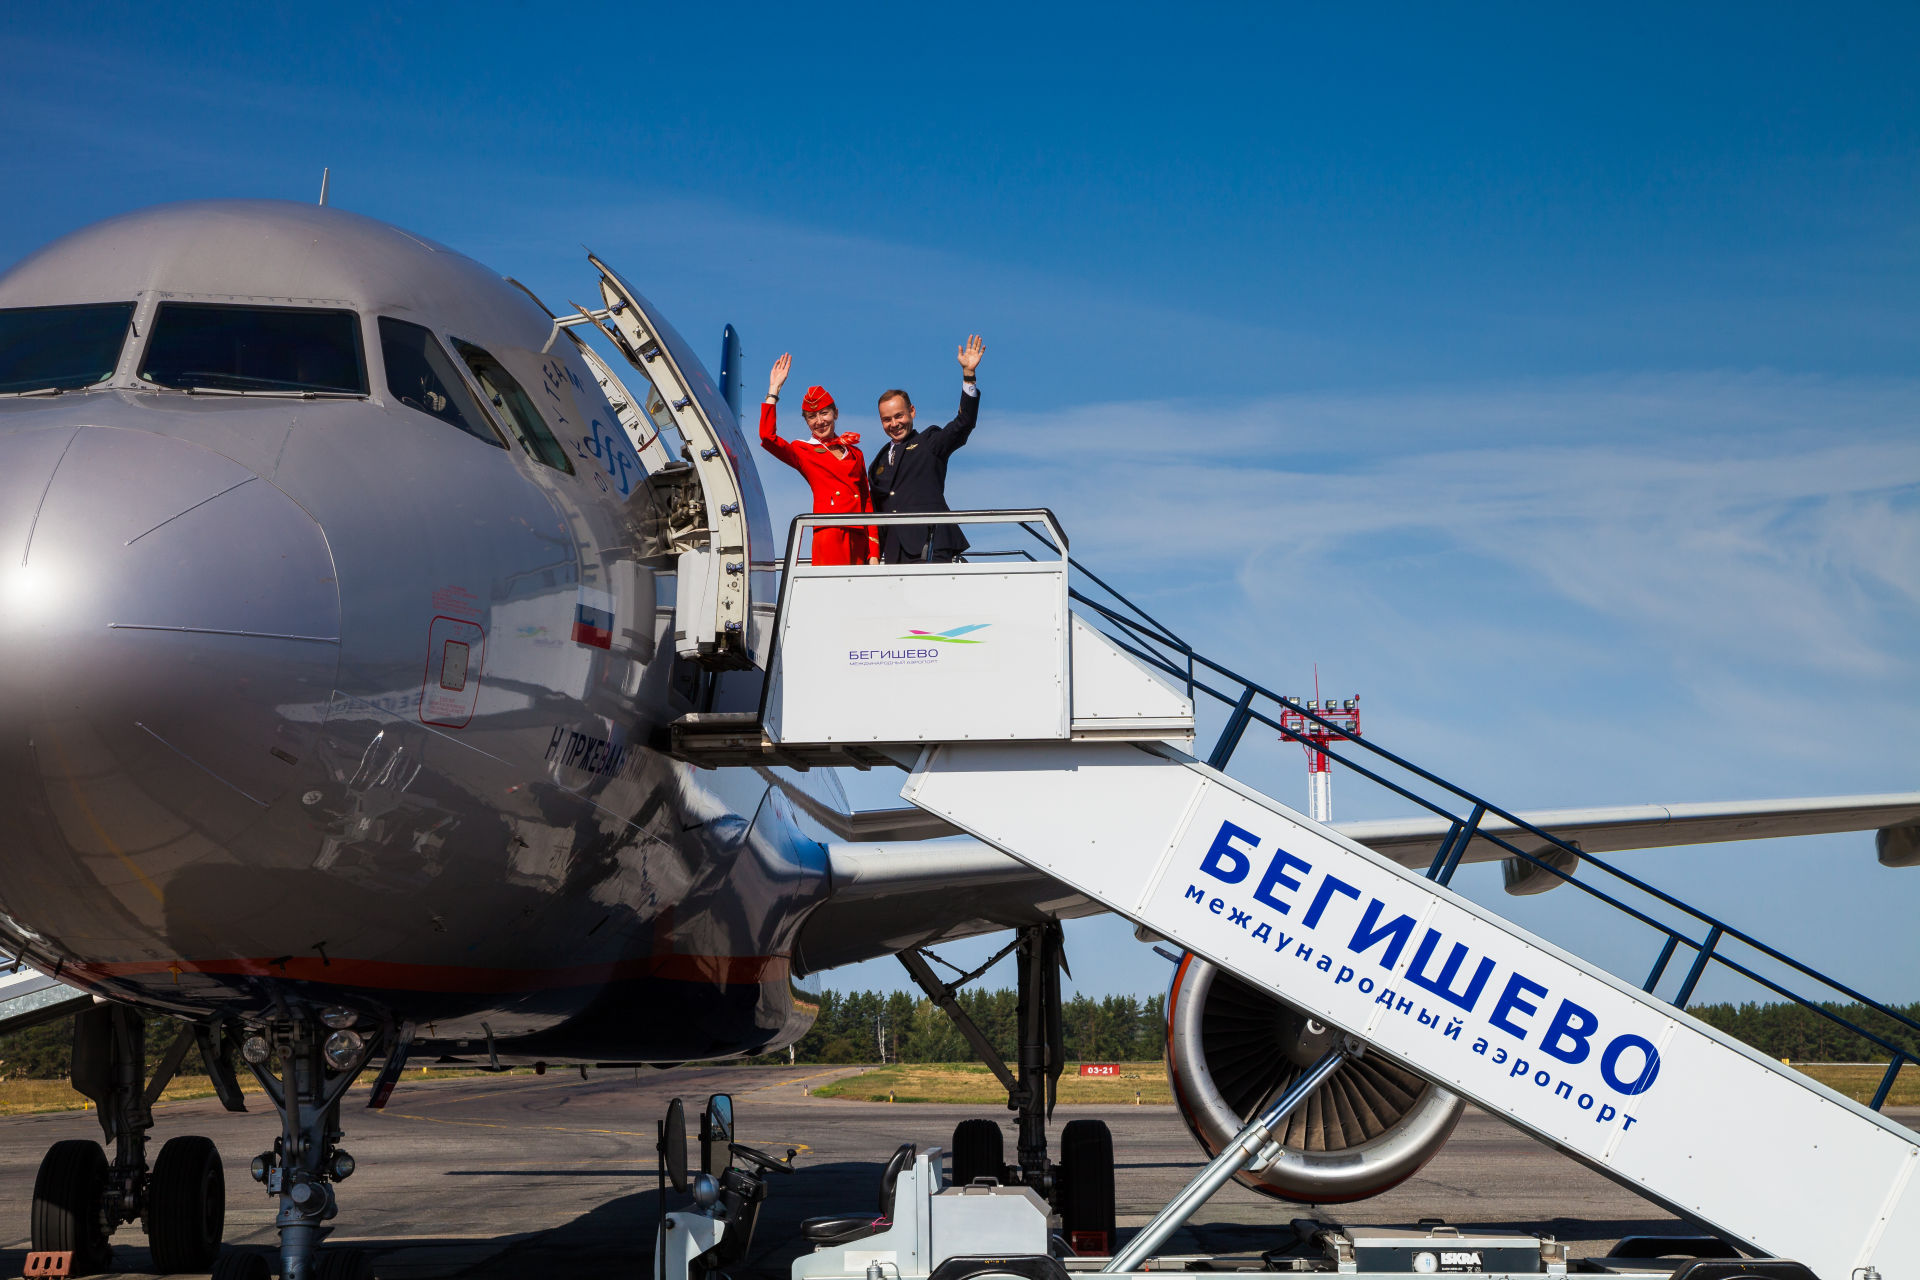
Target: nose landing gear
[[306, 1066]]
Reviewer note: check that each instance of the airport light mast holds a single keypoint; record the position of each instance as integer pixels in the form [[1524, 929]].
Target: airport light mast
[[1314, 736]]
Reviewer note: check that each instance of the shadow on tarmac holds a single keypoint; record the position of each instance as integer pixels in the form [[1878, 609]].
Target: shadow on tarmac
[[619, 1233], [623, 1229]]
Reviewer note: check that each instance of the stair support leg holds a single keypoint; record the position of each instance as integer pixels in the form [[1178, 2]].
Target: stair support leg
[[1247, 1146], [1660, 965], [1460, 844], [1699, 968], [1886, 1081], [1223, 747], [1445, 850]]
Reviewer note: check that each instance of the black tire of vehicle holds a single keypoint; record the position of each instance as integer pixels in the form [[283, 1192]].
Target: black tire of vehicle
[[186, 1206], [1086, 1190], [67, 1199], [979, 1151], [242, 1264], [345, 1264]]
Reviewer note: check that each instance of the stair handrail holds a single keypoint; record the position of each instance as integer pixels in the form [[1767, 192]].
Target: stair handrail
[[1142, 634]]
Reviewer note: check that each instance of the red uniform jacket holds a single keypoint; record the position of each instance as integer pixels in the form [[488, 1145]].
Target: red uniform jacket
[[839, 485]]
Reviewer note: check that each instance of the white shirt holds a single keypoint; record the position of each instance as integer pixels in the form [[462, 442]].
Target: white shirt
[[893, 449]]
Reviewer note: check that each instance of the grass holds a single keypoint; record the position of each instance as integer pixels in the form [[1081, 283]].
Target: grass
[[970, 1083], [32, 1097], [1859, 1080], [961, 1083]]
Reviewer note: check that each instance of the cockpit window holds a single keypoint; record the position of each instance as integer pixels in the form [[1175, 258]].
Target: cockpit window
[[219, 347], [515, 406], [421, 376], [60, 348]]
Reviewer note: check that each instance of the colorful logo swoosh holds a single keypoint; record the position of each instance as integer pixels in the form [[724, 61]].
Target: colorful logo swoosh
[[954, 635]]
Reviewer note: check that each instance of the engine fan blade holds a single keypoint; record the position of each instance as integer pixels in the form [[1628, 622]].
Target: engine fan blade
[[1233, 1048]]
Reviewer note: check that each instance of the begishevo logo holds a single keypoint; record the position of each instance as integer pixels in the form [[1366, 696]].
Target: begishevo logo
[[953, 635], [925, 648]]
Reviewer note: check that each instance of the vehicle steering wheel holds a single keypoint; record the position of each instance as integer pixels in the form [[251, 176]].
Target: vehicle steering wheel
[[762, 1161]]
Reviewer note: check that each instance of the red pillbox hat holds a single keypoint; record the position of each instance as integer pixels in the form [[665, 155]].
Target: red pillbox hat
[[816, 400]]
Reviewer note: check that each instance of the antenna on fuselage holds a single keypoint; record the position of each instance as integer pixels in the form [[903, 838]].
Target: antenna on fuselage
[[324, 174]]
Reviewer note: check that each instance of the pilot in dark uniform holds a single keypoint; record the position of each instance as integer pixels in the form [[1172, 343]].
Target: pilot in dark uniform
[[909, 472]]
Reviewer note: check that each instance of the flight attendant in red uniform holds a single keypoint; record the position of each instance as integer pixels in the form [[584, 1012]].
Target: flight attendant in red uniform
[[832, 465]]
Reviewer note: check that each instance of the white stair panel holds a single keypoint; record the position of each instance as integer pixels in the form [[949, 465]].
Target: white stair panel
[[1613, 1077], [1115, 697]]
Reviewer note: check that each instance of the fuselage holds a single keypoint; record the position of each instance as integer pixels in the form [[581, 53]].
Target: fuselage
[[309, 697]]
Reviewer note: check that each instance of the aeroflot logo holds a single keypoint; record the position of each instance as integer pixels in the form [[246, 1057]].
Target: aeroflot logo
[[1444, 979]]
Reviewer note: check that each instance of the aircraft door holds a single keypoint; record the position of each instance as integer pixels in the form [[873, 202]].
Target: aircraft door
[[713, 620]]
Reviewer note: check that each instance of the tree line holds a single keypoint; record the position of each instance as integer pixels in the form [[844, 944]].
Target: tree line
[[1799, 1034], [873, 1026]]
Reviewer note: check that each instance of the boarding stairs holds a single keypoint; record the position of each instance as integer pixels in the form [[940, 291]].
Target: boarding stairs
[[1038, 711]]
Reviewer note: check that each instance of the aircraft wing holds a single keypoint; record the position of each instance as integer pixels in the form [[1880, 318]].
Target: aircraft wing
[[1412, 842], [887, 897], [910, 888], [29, 998]]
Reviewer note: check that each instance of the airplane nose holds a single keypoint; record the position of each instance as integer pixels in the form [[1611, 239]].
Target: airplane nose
[[169, 631]]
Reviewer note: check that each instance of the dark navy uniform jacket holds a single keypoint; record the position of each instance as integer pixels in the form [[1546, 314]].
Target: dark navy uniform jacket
[[918, 482]]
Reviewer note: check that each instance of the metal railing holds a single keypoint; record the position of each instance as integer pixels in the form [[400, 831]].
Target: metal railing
[[1249, 703], [1049, 533], [1158, 646]]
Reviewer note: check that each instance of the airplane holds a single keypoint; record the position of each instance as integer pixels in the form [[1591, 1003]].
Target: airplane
[[352, 600]]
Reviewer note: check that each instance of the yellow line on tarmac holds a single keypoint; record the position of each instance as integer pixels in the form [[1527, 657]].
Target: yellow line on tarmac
[[564, 1128], [490, 1093], [537, 1128], [796, 1080]]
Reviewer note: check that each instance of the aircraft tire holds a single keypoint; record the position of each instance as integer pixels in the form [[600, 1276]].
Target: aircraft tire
[[67, 1201], [1086, 1186], [979, 1151], [186, 1206], [241, 1264], [345, 1264]]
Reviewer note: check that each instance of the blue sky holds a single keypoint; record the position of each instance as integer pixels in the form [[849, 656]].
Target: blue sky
[[1546, 376]]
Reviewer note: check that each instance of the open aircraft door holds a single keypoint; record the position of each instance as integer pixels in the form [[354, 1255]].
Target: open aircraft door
[[719, 502]]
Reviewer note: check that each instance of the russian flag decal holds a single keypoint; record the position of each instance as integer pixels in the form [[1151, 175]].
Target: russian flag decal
[[593, 619]]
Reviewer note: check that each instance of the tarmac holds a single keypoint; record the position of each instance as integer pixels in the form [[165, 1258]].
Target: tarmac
[[516, 1175]]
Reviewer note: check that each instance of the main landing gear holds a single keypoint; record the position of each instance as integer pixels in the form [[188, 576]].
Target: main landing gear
[[1080, 1185], [305, 1063], [80, 1197]]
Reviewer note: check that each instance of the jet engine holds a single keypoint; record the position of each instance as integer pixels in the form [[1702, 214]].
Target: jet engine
[[1232, 1047]]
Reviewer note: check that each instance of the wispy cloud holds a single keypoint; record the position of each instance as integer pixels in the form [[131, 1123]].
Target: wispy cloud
[[1755, 517], [1596, 591]]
